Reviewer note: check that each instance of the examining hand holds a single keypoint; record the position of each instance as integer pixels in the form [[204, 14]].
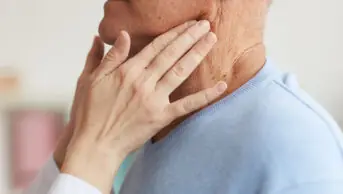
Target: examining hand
[[121, 103]]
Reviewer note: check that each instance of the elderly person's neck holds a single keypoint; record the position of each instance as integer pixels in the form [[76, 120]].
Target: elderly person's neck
[[216, 68], [237, 57]]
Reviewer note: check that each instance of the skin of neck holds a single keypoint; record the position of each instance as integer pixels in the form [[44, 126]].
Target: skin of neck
[[236, 58]]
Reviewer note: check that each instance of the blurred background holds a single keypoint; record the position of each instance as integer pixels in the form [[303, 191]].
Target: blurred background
[[43, 45]]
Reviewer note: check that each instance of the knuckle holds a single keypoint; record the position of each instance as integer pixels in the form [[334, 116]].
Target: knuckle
[[191, 36], [159, 61], [187, 106], [179, 110], [163, 40], [207, 98], [170, 35], [178, 70], [163, 58], [111, 55], [155, 44], [198, 53]]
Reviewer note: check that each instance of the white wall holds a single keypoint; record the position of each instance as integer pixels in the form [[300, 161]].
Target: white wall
[[47, 41], [306, 37]]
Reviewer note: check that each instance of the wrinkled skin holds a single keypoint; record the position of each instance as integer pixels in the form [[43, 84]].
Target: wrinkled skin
[[238, 24], [145, 19]]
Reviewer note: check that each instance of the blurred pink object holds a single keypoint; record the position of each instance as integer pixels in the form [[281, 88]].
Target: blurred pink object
[[34, 136]]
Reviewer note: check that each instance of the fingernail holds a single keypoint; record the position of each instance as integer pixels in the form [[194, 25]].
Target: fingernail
[[211, 37], [204, 23], [221, 87]]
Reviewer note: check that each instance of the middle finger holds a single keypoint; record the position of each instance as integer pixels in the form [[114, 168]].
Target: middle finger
[[186, 65], [173, 52]]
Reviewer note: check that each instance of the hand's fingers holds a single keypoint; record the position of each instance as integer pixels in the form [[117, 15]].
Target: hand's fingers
[[170, 55], [196, 101], [120, 50], [134, 67], [95, 56], [183, 69], [115, 56], [159, 43]]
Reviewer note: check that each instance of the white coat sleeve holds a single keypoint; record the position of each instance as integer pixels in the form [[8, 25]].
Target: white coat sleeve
[[51, 181], [45, 179], [65, 184]]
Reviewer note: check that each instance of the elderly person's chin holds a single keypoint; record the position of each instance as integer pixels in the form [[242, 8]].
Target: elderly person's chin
[[145, 19], [109, 30]]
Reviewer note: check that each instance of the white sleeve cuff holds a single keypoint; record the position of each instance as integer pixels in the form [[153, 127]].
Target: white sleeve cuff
[[66, 184], [44, 179], [50, 171]]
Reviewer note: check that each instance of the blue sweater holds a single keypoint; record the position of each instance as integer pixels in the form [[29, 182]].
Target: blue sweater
[[268, 137]]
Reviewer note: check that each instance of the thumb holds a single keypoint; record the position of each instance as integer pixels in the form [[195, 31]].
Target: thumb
[[115, 56], [119, 52]]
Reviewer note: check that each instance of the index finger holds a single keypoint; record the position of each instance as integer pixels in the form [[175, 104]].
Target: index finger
[[161, 42]]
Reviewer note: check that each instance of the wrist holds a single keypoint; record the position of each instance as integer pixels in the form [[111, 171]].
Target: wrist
[[93, 163], [61, 148], [58, 158]]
